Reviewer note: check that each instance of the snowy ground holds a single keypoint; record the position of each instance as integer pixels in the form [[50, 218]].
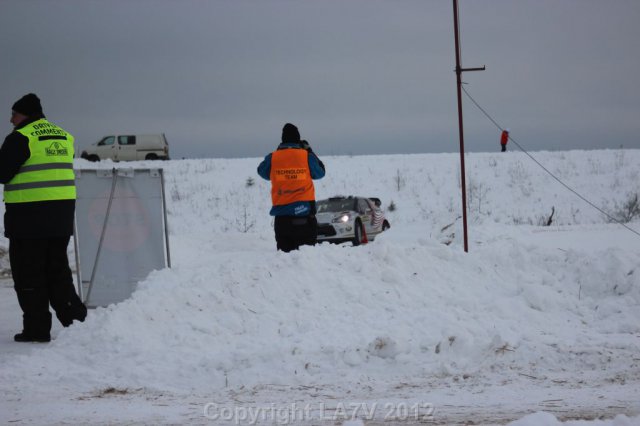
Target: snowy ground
[[406, 329]]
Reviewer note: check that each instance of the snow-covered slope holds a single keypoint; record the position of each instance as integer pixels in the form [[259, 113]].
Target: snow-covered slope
[[543, 311]]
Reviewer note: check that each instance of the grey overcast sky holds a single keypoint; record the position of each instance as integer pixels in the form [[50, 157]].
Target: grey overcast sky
[[221, 77]]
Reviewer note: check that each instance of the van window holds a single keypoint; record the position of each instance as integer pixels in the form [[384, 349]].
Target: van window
[[109, 140], [126, 140]]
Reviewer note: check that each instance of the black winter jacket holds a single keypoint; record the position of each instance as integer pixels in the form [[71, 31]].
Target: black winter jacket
[[41, 219]]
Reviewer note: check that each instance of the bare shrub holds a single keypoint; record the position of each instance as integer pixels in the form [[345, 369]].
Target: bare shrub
[[399, 180], [476, 193], [547, 220], [628, 211], [245, 221]]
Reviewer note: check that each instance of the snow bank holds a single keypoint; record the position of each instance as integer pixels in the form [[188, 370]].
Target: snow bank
[[331, 313], [234, 314], [547, 419]]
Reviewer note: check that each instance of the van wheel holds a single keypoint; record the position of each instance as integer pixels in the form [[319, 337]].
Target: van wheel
[[151, 157], [93, 158]]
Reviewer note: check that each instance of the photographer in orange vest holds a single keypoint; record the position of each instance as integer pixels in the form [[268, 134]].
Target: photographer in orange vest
[[291, 169]]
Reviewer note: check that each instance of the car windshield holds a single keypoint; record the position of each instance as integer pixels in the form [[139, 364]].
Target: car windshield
[[335, 205]]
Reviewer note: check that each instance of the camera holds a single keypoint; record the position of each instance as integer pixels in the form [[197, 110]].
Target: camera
[[305, 145]]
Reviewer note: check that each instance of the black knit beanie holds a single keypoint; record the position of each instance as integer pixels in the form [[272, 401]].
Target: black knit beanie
[[290, 134], [28, 105]]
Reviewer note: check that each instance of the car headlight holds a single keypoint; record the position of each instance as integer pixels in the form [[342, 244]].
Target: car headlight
[[343, 218]]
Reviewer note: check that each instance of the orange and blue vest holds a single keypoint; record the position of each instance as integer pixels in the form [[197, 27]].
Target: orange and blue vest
[[290, 177], [291, 170]]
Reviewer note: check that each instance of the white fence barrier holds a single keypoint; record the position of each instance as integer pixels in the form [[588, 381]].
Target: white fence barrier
[[121, 231]]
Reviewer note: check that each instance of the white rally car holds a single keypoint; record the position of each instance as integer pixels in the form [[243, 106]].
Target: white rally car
[[343, 219]]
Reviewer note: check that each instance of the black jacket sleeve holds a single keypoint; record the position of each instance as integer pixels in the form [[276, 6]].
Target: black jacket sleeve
[[13, 153]]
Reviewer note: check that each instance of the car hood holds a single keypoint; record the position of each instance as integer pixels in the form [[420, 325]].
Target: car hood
[[327, 217]]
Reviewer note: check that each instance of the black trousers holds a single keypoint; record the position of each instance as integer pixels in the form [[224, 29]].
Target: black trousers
[[41, 276], [295, 231]]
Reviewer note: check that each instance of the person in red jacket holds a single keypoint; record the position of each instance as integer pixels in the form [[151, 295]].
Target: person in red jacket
[[504, 138]]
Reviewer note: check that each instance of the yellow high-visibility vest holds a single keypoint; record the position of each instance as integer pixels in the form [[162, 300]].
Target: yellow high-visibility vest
[[48, 172]]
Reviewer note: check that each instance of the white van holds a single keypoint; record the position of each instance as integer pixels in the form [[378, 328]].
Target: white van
[[128, 148]]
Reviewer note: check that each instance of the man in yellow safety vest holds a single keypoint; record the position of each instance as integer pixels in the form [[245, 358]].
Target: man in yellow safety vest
[[36, 168]]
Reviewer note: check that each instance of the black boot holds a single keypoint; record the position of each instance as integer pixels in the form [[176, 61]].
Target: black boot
[[27, 337]]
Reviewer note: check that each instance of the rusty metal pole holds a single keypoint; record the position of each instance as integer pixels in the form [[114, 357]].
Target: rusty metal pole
[[459, 71]]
